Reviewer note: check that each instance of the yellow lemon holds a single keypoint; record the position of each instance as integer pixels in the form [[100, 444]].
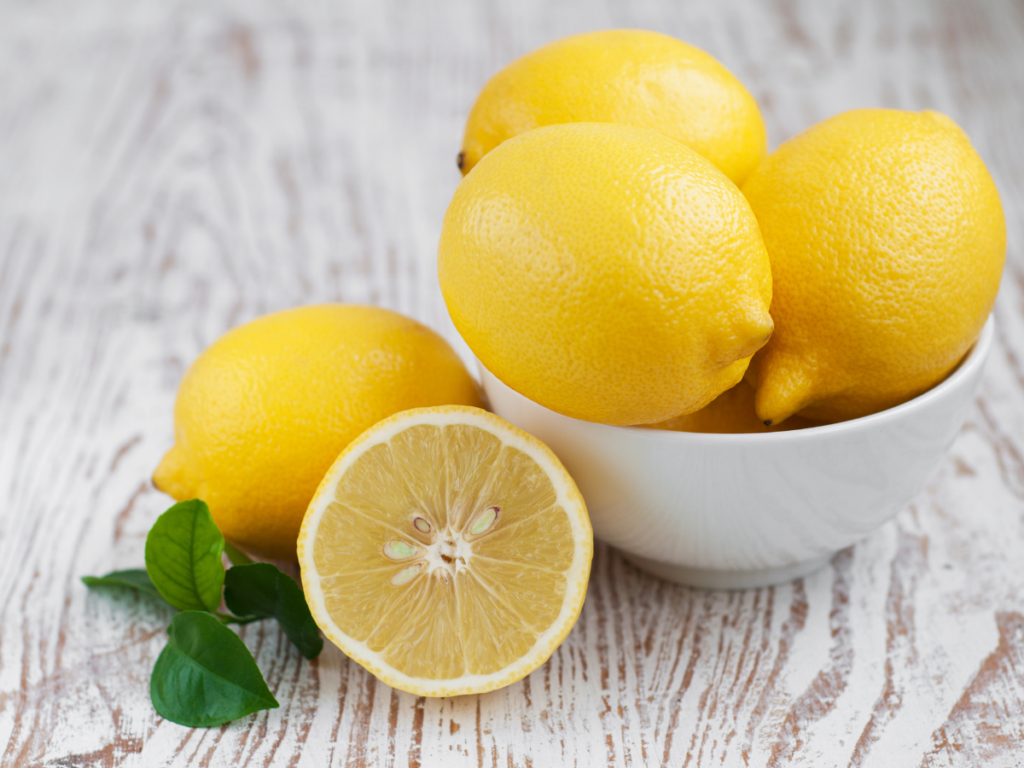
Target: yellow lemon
[[264, 411], [446, 551], [732, 412], [627, 76], [606, 272], [887, 240]]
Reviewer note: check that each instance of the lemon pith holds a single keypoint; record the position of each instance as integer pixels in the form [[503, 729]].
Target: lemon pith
[[446, 551], [606, 272], [265, 410], [887, 240], [625, 76]]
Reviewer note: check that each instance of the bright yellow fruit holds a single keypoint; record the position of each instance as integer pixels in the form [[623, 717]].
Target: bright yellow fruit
[[732, 412], [606, 272], [626, 76], [446, 551], [264, 412], [887, 240]]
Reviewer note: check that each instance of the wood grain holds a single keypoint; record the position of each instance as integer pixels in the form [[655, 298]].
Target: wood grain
[[169, 170]]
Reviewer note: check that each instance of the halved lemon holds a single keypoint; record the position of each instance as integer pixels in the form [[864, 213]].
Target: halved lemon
[[446, 551]]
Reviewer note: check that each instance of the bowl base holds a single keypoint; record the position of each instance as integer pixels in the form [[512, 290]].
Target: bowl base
[[713, 578]]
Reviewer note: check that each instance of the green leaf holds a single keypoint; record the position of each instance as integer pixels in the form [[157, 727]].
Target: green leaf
[[135, 578], [183, 557], [205, 675], [261, 589], [235, 555]]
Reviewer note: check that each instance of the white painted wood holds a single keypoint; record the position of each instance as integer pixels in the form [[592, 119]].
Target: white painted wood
[[168, 170]]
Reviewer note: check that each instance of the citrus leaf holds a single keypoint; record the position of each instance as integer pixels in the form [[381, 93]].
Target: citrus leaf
[[134, 578], [183, 557], [205, 675], [261, 589]]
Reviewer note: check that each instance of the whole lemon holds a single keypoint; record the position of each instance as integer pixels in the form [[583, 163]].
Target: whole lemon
[[606, 272], [626, 76], [263, 413], [887, 240]]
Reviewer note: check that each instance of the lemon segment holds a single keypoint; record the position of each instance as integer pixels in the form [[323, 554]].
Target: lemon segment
[[446, 551]]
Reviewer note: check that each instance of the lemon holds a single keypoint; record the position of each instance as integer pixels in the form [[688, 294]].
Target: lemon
[[606, 272], [263, 413], [732, 412], [887, 240], [446, 551], [627, 76]]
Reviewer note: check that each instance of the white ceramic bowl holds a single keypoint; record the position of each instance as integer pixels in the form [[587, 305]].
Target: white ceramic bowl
[[733, 511]]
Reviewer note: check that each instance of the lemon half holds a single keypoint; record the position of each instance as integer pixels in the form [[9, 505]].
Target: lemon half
[[446, 551]]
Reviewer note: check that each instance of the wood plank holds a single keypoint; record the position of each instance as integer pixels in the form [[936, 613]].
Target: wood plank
[[169, 170]]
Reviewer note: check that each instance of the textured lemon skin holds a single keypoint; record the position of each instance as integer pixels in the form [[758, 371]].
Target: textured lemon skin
[[626, 76], [569, 497], [887, 241], [606, 272], [731, 413], [263, 413]]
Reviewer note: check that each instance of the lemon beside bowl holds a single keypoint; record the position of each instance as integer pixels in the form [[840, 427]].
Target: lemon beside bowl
[[732, 511], [261, 415]]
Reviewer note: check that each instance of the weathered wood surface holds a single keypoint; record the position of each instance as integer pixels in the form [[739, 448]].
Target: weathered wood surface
[[168, 170]]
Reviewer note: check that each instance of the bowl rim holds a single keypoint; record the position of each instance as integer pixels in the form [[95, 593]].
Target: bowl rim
[[969, 364]]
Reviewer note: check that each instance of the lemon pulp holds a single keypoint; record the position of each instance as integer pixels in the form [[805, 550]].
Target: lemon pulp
[[446, 551]]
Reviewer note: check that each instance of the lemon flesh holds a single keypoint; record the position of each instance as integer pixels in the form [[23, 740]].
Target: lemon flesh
[[446, 551], [624, 76]]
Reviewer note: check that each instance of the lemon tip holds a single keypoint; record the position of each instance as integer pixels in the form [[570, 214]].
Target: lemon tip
[[782, 391]]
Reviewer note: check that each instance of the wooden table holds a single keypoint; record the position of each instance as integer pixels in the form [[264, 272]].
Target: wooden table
[[169, 170]]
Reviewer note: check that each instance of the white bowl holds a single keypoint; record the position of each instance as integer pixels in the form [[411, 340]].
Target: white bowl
[[734, 511]]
